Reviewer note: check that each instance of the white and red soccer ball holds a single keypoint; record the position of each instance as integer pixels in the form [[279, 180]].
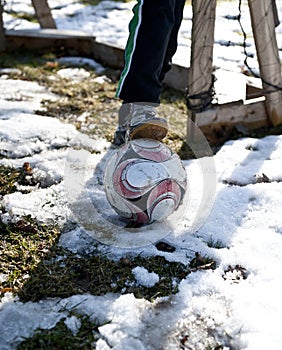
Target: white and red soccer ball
[[144, 181]]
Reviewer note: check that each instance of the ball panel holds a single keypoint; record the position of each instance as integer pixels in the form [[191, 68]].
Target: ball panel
[[120, 181], [151, 149], [164, 199], [131, 212], [176, 170], [162, 210], [138, 216], [144, 174]]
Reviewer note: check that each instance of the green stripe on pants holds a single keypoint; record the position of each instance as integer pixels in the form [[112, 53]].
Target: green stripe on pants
[[131, 42]]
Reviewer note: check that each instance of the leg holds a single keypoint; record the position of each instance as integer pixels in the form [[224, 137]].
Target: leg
[[172, 44], [152, 43], [152, 30]]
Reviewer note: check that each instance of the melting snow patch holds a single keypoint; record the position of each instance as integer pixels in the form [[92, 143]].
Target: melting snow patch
[[144, 277], [74, 74]]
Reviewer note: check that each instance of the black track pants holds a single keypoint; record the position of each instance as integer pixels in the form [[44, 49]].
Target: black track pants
[[151, 44]]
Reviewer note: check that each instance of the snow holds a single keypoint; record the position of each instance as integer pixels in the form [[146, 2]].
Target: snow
[[144, 277], [243, 216]]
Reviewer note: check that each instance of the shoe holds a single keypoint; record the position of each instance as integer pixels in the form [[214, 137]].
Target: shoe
[[119, 136], [139, 121], [144, 123]]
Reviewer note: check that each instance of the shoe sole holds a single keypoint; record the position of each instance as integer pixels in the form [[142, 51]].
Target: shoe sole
[[156, 130]]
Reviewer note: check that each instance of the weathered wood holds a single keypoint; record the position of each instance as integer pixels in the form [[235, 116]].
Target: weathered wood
[[275, 13], [2, 31], [68, 42], [200, 74], [263, 24], [177, 77], [43, 14], [219, 121]]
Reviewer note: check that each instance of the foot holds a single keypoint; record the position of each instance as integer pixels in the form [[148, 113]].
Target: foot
[[139, 121], [144, 123]]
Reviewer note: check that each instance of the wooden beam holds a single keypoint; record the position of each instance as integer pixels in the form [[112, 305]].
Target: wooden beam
[[218, 122], [200, 73], [43, 14], [177, 77], [2, 30], [67, 42], [263, 24]]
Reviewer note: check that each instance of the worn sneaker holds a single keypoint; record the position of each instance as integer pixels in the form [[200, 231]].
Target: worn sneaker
[[139, 120], [144, 123], [119, 136]]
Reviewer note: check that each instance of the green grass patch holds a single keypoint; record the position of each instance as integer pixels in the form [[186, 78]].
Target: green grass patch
[[99, 275], [60, 337], [12, 178], [9, 178], [217, 244], [25, 59], [23, 245], [36, 268]]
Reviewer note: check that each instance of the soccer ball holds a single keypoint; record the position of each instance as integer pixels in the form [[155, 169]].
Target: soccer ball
[[144, 181]]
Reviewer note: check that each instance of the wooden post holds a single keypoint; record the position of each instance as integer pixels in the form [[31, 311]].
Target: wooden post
[[263, 24], [200, 71], [2, 30], [43, 14]]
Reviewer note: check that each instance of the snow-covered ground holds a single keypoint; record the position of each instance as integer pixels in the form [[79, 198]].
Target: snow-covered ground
[[243, 215], [108, 22]]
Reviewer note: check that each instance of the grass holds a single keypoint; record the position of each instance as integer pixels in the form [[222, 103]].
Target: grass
[[60, 337], [9, 180], [23, 245], [36, 268], [98, 275], [13, 178]]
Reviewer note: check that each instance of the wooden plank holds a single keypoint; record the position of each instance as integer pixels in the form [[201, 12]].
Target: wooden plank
[[67, 42], [2, 31], [43, 14], [177, 77], [200, 74], [108, 55], [48, 33], [263, 24], [51, 40], [219, 121], [254, 87]]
